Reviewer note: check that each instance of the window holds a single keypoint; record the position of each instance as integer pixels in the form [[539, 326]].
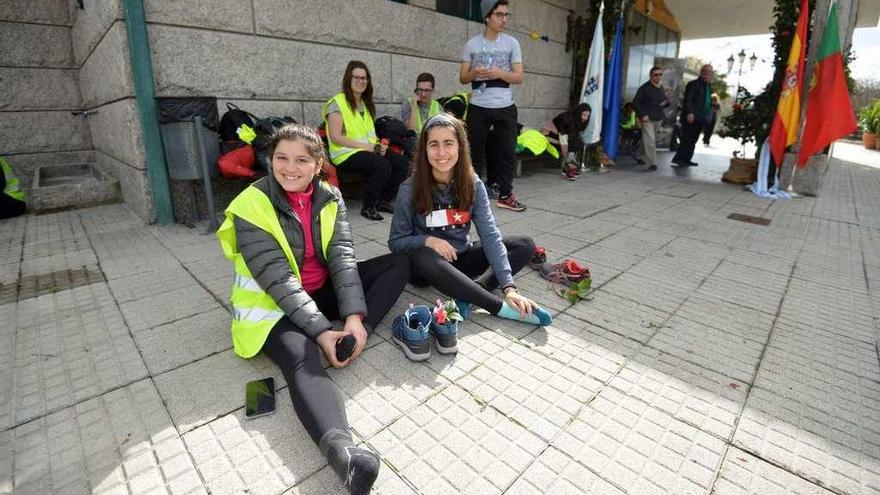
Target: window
[[466, 9], [645, 40]]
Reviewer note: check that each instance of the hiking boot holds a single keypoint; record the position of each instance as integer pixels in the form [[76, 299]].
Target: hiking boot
[[494, 190], [444, 326], [510, 203], [371, 213], [410, 332]]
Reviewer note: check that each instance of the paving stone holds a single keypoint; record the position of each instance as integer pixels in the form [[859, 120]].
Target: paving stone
[[153, 311], [220, 288], [555, 472], [140, 286], [743, 473], [752, 296], [839, 311], [655, 294], [728, 317], [211, 267], [383, 385], [778, 263], [607, 254], [711, 348], [536, 391], [476, 345], [541, 291], [212, 387], [453, 444], [58, 262], [622, 316], [325, 482], [33, 251], [511, 329], [641, 449], [258, 456], [589, 231], [122, 441], [812, 438], [53, 228], [767, 280], [679, 273], [172, 345], [70, 346], [700, 397]]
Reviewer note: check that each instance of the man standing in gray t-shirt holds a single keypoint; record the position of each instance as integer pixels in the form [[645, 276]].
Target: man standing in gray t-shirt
[[490, 63]]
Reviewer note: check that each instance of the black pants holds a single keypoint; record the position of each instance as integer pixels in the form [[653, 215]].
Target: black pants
[[315, 398], [708, 130], [456, 279], [501, 162], [11, 207], [690, 133], [383, 173]]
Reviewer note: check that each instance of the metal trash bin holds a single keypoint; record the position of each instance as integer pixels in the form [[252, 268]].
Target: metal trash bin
[[184, 142]]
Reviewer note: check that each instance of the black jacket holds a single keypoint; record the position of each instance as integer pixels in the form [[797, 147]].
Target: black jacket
[[695, 100], [650, 100], [270, 268]]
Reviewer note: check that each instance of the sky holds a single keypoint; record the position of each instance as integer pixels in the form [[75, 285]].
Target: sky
[[866, 45]]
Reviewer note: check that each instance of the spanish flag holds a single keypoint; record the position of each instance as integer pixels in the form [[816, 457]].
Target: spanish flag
[[829, 109], [788, 110]]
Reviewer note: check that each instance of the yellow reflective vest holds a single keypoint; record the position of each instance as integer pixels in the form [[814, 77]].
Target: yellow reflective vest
[[357, 126], [254, 310], [536, 142], [433, 110], [13, 186]]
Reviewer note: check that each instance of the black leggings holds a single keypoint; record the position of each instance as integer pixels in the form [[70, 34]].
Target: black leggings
[[315, 398], [10, 207], [456, 279], [383, 173]]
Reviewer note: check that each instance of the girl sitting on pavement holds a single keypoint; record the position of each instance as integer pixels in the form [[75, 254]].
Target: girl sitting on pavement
[[295, 271], [432, 219]]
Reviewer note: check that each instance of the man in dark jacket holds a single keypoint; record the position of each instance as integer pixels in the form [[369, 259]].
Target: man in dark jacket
[[649, 103], [696, 109]]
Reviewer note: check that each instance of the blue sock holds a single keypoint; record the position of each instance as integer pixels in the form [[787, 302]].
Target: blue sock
[[539, 316]]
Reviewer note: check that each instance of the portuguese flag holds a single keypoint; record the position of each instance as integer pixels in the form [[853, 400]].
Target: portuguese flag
[[788, 111], [829, 110]]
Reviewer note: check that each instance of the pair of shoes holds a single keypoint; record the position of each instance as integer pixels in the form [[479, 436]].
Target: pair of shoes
[[568, 271], [413, 330], [494, 190], [569, 174], [371, 213], [652, 168], [510, 203], [386, 207]]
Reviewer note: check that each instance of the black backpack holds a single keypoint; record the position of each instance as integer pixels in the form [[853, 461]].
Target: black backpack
[[232, 120], [396, 132], [265, 128]]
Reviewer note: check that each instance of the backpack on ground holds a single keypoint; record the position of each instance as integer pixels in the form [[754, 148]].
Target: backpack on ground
[[400, 139]]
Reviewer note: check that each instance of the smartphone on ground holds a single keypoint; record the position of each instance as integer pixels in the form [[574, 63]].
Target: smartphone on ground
[[259, 398]]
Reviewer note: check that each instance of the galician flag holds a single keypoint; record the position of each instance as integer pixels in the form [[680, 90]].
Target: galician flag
[[788, 111], [591, 92], [829, 110]]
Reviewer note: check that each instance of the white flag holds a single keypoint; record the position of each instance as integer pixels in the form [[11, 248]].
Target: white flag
[[594, 80]]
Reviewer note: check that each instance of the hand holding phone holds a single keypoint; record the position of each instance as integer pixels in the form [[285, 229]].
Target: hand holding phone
[[345, 347], [259, 398]]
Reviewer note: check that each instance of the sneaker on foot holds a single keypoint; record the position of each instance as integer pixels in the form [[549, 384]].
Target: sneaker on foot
[[652, 168], [410, 332], [510, 203], [371, 213]]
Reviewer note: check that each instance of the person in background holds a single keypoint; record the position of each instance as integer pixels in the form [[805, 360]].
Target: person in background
[[490, 62], [423, 100], [351, 133], [709, 127], [649, 102], [12, 202], [696, 108], [292, 250], [564, 131], [432, 220]]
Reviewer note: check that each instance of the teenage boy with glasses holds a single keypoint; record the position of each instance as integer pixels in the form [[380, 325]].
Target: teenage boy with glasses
[[649, 102], [490, 63], [423, 100]]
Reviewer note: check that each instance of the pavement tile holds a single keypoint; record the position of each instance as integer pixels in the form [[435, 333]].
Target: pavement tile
[[369, 249], [122, 441], [211, 387], [70, 346], [555, 472], [141, 286], [210, 267], [641, 449], [57, 227], [747, 274], [557, 245], [674, 271], [383, 385], [172, 345], [777, 263], [662, 296], [619, 315], [589, 231], [840, 311], [608, 253], [540, 290], [743, 473], [453, 444], [803, 430], [257, 456], [476, 345], [536, 391], [690, 393], [325, 482], [34, 251], [67, 260], [748, 295], [727, 316], [172, 305], [709, 347], [220, 288]]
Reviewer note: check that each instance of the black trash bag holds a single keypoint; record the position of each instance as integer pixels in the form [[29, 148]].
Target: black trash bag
[[185, 109], [265, 128], [396, 133]]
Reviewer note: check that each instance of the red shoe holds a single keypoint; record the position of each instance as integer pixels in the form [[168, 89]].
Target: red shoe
[[566, 271], [539, 258]]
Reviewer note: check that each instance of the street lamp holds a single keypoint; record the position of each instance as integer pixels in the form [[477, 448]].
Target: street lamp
[[741, 57]]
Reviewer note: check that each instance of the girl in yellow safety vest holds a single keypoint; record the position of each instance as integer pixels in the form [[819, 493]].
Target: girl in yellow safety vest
[[295, 272]]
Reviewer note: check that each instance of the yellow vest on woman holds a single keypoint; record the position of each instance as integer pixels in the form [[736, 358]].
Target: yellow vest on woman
[[254, 310], [358, 127]]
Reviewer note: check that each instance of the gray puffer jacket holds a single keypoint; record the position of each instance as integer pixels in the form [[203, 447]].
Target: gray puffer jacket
[[270, 268]]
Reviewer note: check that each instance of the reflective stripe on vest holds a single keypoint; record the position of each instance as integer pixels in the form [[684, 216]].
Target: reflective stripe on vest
[[13, 186], [357, 127], [433, 110], [254, 310]]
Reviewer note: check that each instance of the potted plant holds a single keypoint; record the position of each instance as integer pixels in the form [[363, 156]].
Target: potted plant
[[748, 123], [869, 120]]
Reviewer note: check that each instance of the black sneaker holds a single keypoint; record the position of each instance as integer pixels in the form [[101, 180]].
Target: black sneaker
[[692, 164], [494, 191], [652, 168], [386, 207], [370, 213]]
